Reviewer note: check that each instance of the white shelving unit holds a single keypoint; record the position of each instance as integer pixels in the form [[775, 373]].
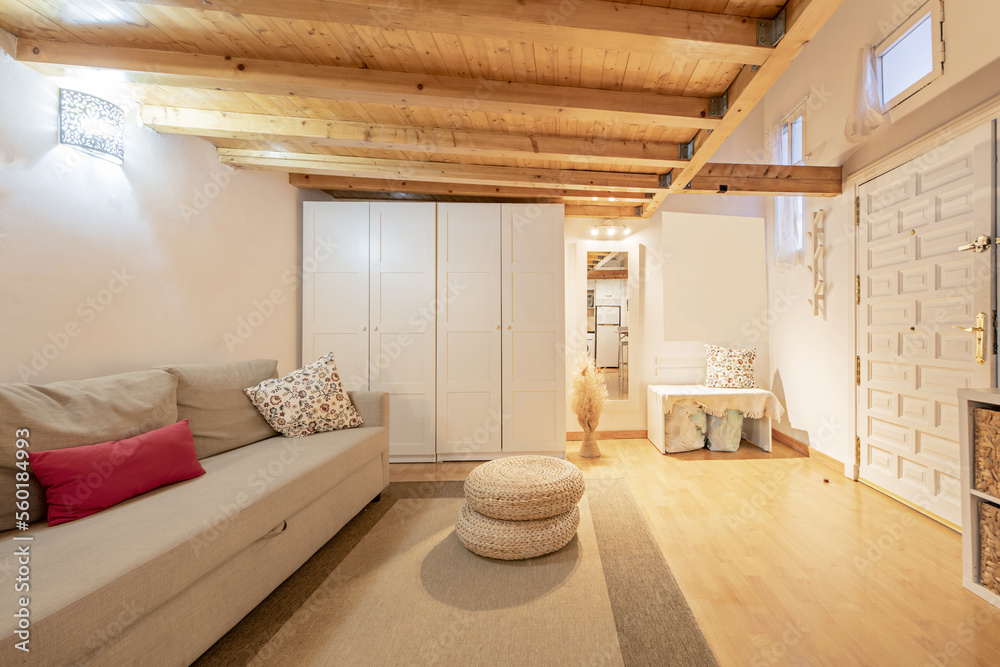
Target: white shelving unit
[[968, 401]]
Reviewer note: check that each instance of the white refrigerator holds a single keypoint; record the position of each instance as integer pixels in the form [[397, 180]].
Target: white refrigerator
[[608, 321]]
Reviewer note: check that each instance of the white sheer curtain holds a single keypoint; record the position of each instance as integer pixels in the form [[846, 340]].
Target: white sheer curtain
[[866, 115], [789, 212]]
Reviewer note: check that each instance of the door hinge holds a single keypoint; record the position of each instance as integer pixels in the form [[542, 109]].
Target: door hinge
[[857, 290], [857, 211], [857, 370]]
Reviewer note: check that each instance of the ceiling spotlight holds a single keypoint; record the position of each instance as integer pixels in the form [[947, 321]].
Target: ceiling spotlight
[[612, 231], [626, 231], [593, 231]]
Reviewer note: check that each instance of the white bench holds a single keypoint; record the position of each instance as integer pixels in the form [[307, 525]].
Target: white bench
[[756, 429]]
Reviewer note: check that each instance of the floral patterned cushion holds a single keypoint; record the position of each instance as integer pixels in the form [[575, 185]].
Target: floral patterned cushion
[[729, 367], [309, 400]]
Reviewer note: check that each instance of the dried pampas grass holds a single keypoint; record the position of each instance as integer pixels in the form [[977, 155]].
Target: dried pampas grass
[[587, 398]]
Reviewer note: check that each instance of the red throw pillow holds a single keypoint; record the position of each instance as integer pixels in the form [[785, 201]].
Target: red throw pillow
[[80, 481]]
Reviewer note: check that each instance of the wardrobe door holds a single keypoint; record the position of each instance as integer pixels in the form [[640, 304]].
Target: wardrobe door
[[335, 287], [402, 325], [468, 301], [534, 313]]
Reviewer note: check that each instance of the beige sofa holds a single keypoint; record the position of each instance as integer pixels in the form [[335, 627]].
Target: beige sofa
[[156, 580]]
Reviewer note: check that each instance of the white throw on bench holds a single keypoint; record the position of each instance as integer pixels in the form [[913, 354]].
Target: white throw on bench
[[758, 406]]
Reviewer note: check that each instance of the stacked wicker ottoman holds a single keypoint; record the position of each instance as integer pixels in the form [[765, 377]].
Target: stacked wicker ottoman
[[520, 507]]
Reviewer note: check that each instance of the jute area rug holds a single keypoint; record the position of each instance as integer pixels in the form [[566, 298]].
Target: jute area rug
[[396, 587]]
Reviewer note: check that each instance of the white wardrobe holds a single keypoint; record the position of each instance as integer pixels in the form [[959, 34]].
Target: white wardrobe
[[457, 310]]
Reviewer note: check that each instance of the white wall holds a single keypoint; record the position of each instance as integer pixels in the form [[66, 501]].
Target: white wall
[[812, 358], [714, 279], [106, 269]]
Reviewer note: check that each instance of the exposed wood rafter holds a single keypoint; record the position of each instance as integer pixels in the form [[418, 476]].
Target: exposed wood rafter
[[716, 178], [594, 23], [268, 77], [310, 163], [260, 127], [342, 183], [600, 212], [767, 179]]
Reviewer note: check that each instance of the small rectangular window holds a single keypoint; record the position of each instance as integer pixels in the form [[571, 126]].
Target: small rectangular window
[[791, 138], [790, 212], [907, 58]]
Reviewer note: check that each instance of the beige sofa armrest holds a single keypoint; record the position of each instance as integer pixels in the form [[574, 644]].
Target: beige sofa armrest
[[373, 406]]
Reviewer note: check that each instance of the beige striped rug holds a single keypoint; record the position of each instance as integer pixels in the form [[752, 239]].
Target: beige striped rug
[[396, 587]]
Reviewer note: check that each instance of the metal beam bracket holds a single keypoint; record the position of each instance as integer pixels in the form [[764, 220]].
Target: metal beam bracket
[[718, 106], [650, 195], [770, 32], [688, 186], [638, 210], [665, 179], [686, 151]]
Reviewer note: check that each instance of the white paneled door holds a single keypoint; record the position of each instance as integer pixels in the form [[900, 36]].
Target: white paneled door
[[534, 310], [335, 287], [401, 325], [917, 293], [469, 326]]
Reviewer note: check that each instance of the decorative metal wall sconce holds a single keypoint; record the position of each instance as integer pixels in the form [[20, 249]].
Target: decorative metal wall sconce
[[92, 125]]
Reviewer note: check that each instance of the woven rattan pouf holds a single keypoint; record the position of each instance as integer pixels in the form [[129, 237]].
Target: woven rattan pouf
[[515, 540], [520, 488], [520, 507]]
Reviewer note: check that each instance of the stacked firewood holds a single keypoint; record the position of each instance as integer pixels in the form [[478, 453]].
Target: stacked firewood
[[987, 441], [989, 539]]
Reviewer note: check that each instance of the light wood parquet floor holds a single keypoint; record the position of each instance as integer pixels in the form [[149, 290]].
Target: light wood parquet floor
[[784, 561]]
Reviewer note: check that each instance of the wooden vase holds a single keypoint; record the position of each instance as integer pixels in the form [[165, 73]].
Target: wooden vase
[[589, 448]]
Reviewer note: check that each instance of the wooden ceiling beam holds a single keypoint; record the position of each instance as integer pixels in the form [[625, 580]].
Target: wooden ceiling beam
[[601, 212], [365, 86], [610, 274], [343, 134], [344, 184], [594, 24], [411, 170], [803, 19], [767, 179]]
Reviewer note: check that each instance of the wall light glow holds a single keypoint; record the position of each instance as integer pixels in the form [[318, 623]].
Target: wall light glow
[[92, 125]]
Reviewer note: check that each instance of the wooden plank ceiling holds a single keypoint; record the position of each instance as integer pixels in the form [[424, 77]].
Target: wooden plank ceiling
[[605, 106]]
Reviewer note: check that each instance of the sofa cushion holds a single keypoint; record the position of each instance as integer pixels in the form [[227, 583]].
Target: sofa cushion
[[141, 553], [309, 400], [210, 397], [78, 412], [80, 481]]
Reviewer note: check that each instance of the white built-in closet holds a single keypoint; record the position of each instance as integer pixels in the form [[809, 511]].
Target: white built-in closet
[[456, 310]]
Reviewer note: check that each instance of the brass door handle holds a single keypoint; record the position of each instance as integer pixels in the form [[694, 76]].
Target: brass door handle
[[979, 245], [980, 331]]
